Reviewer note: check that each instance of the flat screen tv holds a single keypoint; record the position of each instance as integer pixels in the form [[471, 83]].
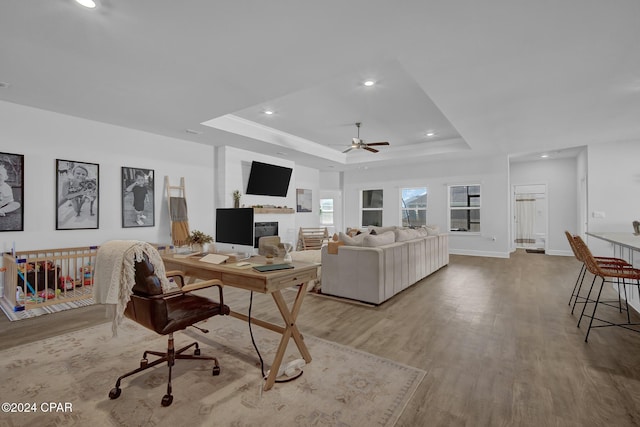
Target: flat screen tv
[[268, 180], [234, 230]]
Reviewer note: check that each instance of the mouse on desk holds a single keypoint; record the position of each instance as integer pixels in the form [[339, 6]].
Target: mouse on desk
[[242, 264]]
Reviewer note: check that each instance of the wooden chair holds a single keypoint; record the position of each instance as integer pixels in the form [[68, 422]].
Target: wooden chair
[[603, 261], [607, 273], [312, 238]]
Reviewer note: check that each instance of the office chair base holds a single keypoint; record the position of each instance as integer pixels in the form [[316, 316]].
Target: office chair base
[[170, 356]]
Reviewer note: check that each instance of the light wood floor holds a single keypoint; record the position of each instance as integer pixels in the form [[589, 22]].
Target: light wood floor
[[495, 335]]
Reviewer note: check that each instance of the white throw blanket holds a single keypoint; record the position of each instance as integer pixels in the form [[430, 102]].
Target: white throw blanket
[[115, 274]]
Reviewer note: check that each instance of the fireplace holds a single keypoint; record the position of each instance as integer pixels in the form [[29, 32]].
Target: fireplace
[[264, 229]]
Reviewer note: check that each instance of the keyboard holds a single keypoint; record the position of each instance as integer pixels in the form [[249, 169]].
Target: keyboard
[[272, 267]]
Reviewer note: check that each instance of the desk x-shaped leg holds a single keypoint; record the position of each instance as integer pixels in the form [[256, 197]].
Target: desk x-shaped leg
[[290, 330]]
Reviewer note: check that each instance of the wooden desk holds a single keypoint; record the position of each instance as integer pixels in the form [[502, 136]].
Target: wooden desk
[[266, 283]]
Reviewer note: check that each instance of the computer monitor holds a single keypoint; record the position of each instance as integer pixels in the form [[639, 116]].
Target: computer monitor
[[234, 230]]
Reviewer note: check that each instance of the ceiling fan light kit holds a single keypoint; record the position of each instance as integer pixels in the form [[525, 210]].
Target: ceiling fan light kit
[[358, 143]]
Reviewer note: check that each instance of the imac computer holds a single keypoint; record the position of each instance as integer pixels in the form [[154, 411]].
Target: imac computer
[[234, 231]]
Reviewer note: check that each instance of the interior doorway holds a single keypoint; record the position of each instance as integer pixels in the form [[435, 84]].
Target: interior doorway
[[530, 216]]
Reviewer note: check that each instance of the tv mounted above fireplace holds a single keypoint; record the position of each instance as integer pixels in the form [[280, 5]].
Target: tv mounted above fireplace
[[268, 180]]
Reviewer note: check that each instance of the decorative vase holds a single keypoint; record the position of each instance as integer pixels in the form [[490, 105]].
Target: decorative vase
[[196, 247], [236, 203], [288, 247]]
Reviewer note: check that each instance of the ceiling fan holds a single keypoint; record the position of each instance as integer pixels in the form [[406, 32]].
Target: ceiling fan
[[359, 143]]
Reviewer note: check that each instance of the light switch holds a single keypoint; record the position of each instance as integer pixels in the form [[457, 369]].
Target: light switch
[[598, 214]]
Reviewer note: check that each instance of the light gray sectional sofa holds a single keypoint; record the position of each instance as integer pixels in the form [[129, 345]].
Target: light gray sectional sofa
[[373, 268]]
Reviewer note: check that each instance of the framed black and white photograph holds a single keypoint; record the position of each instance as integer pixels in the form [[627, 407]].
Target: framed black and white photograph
[[303, 200], [11, 192], [77, 195], [138, 188]]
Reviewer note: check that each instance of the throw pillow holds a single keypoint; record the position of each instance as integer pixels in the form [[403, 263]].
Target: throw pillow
[[373, 240], [432, 230], [380, 230], [352, 241]]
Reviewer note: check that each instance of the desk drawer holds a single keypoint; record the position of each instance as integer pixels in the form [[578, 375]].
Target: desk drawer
[[295, 280]]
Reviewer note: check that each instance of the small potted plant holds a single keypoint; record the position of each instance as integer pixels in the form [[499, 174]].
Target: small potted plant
[[236, 198], [198, 240]]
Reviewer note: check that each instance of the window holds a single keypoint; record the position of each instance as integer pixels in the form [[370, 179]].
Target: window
[[464, 208], [414, 206], [326, 211], [371, 208]]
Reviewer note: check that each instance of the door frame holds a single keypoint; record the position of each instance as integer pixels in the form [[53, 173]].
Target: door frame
[[513, 215]]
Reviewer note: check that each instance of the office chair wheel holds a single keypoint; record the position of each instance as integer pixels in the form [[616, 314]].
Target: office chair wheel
[[115, 393], [167, 399], [143, 362], [216, 371], [196, 352]]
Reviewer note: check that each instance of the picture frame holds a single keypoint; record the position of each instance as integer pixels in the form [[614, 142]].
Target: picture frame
[[303, 200], [11, 192], [138, 197], [77, 195]]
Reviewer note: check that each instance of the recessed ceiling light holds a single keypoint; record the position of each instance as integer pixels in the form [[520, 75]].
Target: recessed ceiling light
[[268, 112], [193, 131], [369, 83], [431, 133], [281, 153], [87, 3], [544, 156]]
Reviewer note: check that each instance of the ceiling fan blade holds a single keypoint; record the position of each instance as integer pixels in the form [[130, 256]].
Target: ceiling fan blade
[[373, 150], [377, 143], [348, 149]]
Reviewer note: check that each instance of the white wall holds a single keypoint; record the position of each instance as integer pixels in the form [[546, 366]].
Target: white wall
[[559, 176], [614, 185], [232, 173], [42, 137], [614, 190], [490, 172]]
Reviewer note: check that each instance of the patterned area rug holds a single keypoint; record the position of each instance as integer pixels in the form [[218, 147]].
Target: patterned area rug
[[13, 315], [342, 386]]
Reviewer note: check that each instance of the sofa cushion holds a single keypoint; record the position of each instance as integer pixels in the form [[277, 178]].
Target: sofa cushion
[[404, 234], [374, 240]]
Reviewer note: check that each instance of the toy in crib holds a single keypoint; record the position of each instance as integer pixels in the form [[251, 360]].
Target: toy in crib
[[66, 283], [87, 275]]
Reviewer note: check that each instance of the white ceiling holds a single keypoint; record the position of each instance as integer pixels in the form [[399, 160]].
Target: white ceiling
[[492, 77]]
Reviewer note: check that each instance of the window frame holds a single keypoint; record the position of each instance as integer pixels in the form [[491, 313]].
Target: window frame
[[378, 209], [404, 209], [467, 208], [323, 211]]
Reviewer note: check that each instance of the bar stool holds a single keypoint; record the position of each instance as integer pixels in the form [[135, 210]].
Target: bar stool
[[603, 261], [605, 272]]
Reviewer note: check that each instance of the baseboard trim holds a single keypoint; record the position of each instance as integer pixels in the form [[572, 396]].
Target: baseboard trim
[[479, 253], [560, 253]]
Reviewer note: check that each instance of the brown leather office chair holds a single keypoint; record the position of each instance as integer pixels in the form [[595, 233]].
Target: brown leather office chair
[[166, 313]]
